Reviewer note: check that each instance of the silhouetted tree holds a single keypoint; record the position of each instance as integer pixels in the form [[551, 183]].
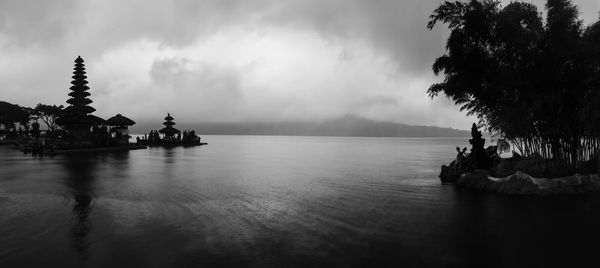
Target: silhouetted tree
[[35, 129], [10, 114], [48, 114], [535, 83]]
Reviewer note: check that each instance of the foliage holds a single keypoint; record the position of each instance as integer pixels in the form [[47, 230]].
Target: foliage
[[535, 82], [48, 114], [11, 114]]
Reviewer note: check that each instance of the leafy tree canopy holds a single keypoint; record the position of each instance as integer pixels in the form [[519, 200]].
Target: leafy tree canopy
[[12, 113], [48, 114], [521, 75]]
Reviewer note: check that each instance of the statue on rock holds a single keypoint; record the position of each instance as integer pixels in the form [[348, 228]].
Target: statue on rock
[[479, 156]]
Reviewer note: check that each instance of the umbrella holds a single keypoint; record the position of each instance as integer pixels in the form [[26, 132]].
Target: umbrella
[[119, 120]]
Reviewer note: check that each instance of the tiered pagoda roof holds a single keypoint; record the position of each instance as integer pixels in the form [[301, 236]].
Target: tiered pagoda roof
[[79, 96], [169, 130], [78, 113]]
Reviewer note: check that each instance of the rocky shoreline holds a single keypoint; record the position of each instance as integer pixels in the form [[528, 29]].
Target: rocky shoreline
[[523, 184], [484, 170]]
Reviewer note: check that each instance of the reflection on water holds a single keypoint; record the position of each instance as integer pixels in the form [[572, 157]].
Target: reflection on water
[[83, 226], [80, 171], [277, 201]]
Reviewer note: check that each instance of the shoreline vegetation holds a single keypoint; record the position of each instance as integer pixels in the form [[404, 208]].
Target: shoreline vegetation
[[485, 170], [533, 82], [75, 129]]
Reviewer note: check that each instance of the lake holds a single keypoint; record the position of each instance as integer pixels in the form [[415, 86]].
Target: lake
[[278, 201]]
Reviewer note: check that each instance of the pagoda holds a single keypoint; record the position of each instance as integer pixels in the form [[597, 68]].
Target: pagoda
[[169, 131], [171, 136], [77, 119]]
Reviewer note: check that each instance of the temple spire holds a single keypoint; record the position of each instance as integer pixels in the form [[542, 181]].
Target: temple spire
[[77, 117], [169, 120], [79, 100]]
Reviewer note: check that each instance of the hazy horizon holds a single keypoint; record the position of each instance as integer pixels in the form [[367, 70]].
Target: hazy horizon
[[348, 125]]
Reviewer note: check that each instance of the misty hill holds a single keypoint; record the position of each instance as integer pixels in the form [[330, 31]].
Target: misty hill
[[344, 126]]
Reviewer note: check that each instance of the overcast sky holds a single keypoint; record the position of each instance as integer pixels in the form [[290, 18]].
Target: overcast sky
[[232, 60]]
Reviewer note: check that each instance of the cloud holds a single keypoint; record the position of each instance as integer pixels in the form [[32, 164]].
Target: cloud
[[34, 23], [378, 101], [232, 60]]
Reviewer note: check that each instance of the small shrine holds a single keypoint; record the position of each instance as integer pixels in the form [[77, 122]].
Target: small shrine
[[119, 128], [169, 136], [169, 131]]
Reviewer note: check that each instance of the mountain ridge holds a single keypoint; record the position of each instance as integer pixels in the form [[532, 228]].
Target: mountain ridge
[[344, 126]]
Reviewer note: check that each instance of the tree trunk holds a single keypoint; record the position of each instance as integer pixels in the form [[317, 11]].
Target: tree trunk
[[555, 147], [575, 152]]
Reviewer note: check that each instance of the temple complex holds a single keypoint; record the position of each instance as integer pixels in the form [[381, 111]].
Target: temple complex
[[81, 130]]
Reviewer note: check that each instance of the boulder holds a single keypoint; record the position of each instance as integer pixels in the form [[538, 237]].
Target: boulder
[[449, 173], [524, 184]]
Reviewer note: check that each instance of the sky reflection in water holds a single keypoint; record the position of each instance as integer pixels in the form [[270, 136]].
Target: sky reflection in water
[[252, 200]]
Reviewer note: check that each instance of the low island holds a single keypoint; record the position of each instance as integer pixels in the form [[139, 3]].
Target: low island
[[533, 81], [484, 170], [170, 136]]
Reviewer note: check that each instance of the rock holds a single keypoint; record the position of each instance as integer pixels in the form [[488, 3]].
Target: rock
[[449, 173], [476, 180], [514, 184], [524, 184], [518, 183]]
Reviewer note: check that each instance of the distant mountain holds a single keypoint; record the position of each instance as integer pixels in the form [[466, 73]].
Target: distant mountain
[[344, 126]]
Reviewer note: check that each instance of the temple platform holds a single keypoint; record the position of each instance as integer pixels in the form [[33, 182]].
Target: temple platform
[[46, 151], [100, 149], [170, 143]]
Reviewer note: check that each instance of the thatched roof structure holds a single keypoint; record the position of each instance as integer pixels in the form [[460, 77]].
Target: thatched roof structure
[[119, 120]]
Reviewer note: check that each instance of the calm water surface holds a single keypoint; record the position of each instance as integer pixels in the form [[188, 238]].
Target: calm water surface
[[277, 201]]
